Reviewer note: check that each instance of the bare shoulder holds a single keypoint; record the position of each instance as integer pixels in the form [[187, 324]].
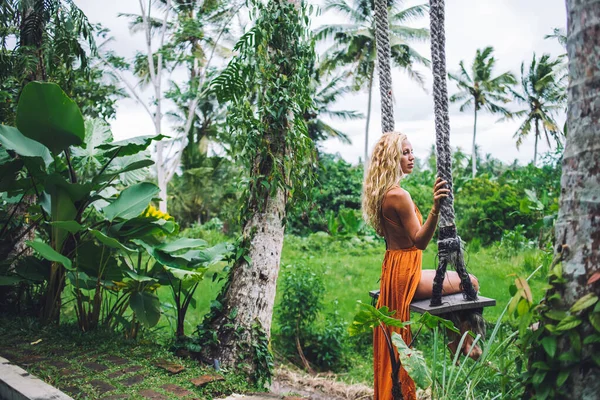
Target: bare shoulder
[[399, 199], [399, 195]]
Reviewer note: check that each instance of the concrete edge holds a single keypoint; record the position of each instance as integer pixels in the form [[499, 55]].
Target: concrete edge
[[18, 384]]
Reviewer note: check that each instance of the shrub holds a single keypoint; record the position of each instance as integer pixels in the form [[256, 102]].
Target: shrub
[[514, 240], [300, 336]]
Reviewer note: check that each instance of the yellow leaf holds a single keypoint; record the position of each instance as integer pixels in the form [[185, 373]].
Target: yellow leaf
[[522, 284]]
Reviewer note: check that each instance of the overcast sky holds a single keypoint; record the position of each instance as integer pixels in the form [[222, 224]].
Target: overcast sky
[[515, 28]]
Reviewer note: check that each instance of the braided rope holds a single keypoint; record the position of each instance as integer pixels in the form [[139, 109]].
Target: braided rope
[[384, 54], [449, 245]]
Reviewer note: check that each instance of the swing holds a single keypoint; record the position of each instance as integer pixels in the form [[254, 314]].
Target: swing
[[449, 245]]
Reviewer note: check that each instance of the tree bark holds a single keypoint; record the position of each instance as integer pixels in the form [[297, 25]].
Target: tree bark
[[578, 223], [366, 161], [474, 152], [251, 294], [537, 135]]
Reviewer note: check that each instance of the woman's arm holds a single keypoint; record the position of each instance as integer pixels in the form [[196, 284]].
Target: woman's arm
[[405, 210]]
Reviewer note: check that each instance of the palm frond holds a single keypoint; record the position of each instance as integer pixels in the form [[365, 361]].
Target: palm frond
[[402, 32], [410, 13], [342, 6]]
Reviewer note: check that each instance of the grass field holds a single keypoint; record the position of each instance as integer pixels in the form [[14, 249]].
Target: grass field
[[350, 267]]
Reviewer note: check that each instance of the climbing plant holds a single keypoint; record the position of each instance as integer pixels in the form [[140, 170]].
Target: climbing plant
[[267, 88], [268, 93]]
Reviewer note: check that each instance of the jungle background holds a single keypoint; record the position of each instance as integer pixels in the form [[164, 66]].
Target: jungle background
[[135, 237]]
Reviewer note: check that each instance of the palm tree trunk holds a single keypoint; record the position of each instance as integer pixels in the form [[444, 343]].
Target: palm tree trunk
[[537, 135], [577, 226], [366, 162], [473, 153]]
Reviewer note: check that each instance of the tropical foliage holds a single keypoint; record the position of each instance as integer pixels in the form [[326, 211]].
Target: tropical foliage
[[83, 243], [53, 41], [481, 90], [544, 95], [105, 243]]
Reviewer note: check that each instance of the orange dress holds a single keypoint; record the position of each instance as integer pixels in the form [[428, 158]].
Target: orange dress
[[400, 276]]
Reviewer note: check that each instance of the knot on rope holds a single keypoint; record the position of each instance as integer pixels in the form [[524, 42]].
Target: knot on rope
[[450, 253], [448, 241]]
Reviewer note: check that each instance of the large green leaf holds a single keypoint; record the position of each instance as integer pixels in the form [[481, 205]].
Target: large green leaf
[[62, 205], [139, 278], [131, 202], [9, 173], [10, 280], [98, 262], [133, 166], [432, 321], [195, 275], [180, 244], [33, 269], [146, 307], [88, 159], [413, 361], [81, 280], [49, 253], [208, 256], [69, 226], [131, 146], [12, 139], [109, 241], [369, 317], [46, 114], [140, 227]]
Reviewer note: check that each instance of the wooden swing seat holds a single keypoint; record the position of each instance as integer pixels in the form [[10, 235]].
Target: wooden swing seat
[[450, 303]]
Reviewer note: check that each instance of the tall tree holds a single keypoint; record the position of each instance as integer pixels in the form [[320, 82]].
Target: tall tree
[[186, 34], [576, 286], [354, 44], [269, 86], [543, 93], [481, 90]]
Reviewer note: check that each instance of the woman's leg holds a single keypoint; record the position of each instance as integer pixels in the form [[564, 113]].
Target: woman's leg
[[451, 284]]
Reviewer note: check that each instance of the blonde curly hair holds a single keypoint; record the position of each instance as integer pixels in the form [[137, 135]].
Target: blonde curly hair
[[383, 172]]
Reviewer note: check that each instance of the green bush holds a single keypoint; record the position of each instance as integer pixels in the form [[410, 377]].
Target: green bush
[[339, 186], [300, 335]]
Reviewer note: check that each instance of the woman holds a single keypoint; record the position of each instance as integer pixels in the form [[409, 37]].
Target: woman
[[392, 213]]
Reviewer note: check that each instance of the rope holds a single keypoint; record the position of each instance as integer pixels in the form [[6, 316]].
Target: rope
[[384, 54], [449, 245]]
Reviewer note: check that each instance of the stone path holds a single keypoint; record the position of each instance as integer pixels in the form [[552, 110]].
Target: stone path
[[111, 374], [108, 376]]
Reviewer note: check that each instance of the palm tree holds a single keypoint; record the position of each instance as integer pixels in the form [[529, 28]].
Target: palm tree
[[326, 94], [354, 44], [560, 35], [543, 92], [481, 90]]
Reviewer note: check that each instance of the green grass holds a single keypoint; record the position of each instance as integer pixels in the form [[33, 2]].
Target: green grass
[[351, 267]]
